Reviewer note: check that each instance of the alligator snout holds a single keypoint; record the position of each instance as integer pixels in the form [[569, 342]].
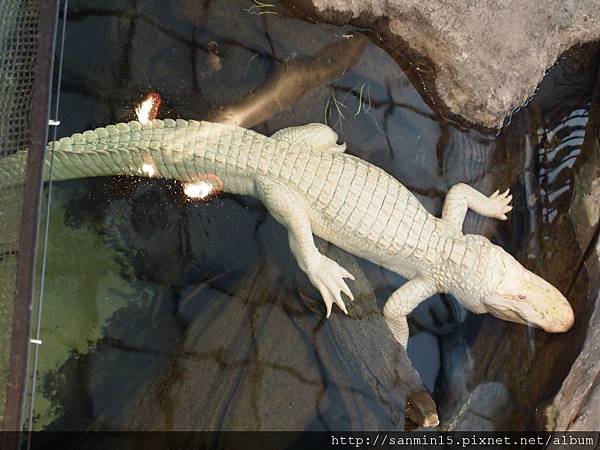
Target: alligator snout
[[563, 322]]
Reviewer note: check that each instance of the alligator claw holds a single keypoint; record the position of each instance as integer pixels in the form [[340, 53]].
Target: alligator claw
[[500, 204], [328, 278]]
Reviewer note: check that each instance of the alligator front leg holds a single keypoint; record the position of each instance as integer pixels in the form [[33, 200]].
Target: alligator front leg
[[289, 209], [461, 197], [402, 302]]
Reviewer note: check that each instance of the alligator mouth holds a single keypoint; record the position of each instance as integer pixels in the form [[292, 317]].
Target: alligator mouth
[[557, 326], [511, 315], [501, 312]]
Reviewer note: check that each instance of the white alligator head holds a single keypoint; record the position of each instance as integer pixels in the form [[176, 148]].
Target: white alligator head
[[525, 298]]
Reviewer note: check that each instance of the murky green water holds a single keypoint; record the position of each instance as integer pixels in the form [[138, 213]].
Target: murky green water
[[165, 314]]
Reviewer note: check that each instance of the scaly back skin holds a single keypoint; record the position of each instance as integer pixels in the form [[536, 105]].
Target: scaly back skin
[[352, 203]]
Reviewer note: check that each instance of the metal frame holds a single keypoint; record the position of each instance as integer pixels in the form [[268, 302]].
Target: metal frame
[[39, 117]]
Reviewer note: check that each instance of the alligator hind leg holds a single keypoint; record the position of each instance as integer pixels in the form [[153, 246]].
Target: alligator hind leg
[[289, 209], [402, 302], [461, 197], [315, 135]]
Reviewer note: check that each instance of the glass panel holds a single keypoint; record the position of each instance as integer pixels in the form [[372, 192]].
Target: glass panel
[[166, 312]]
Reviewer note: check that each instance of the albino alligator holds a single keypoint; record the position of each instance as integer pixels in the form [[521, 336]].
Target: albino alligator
[[307, 182]]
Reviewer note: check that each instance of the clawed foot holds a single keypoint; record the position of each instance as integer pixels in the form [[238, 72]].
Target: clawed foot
[[500, 204], [328, 277]]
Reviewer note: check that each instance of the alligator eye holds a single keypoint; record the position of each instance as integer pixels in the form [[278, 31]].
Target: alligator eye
[[520, 298]]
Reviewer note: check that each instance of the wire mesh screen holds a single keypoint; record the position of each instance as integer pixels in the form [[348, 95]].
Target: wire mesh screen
[[19, 38], [18, 49]]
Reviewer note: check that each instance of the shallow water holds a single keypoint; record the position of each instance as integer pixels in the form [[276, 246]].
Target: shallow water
[[161, 313]]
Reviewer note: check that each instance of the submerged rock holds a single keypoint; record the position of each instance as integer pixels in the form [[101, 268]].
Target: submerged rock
[[245, 347], [488, 57]]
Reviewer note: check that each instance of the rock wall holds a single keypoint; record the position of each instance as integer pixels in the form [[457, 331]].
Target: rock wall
[[487, 56], [576, 406]]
